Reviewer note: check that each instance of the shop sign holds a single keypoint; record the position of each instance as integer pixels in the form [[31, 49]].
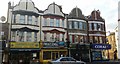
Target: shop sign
[[24, 45], [101, 46], [53, 44]]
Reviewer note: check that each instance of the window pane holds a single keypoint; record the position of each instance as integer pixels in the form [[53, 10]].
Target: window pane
[[46, 55], [95, 26], [45, 21], [22, 19], [21, 36], [35, 36], [51, 22], [90, 26], [36, 20], [80, 25], [62, 23], [29, 19], [70, 25], [76, 25], [57, 23], [29, 36]]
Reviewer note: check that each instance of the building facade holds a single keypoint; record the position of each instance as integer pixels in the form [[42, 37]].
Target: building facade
[[97, 35], [112, 53], [3, 42], [24, 34], [54, 34]]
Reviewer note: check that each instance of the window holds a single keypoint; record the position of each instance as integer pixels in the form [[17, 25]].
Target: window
[[76, 39], [99, 27], [29, 36], [14, 21], [51, 22], [57, 23], [70, 25], [21, 36], [57, 37], [29, 20], [22, 19], [70, 37], [80, 25], [45, 21], [100, 38], [62, 23], [96, 40], [45, 37], [52, 37], [36, 20], [85, 26], [13, 35], [90, 26], [76, 25], [95, 26], [46, 55], [62, 37], [91, 39], [35, 36]]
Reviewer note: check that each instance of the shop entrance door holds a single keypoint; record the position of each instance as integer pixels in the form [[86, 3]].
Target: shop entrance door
[[55, 55]]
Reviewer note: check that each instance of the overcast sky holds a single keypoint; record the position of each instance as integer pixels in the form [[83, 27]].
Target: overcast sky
[[108, 8]]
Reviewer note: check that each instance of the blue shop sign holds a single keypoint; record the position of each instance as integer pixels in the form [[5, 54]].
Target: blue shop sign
[[101, 46]]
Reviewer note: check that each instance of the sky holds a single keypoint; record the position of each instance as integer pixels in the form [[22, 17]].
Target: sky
[[108, 8]]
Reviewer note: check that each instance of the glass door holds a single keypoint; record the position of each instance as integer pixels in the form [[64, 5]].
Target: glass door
[[55, 55]]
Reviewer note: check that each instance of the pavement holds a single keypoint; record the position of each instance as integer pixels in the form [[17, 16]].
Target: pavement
[[104, 62]]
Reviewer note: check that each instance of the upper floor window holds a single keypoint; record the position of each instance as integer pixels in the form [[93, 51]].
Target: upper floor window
[[76, 25], [36, 20], [70, 25], [85, 26], [45, 22], [99, 27], [57, 22], [95, 26], [14, 21], [29, 20], [62, 23], [51, 22], [90, 26], [21, 36], [45, 36], [22, 19], [35, 36], [80, 25], [29, 36]]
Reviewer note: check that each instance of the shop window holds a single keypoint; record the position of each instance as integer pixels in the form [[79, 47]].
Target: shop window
[[46, 55]]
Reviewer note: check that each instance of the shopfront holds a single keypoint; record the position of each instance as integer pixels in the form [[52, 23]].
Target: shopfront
[[97, 51], [24, 53], [52, 51]]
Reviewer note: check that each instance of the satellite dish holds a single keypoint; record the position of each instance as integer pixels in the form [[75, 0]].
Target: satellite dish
[[3, 18]]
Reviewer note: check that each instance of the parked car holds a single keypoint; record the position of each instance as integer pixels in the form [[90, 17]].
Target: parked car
[[66, 60]]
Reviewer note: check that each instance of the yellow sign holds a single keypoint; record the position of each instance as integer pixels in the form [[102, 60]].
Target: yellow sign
[[24, 45]]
